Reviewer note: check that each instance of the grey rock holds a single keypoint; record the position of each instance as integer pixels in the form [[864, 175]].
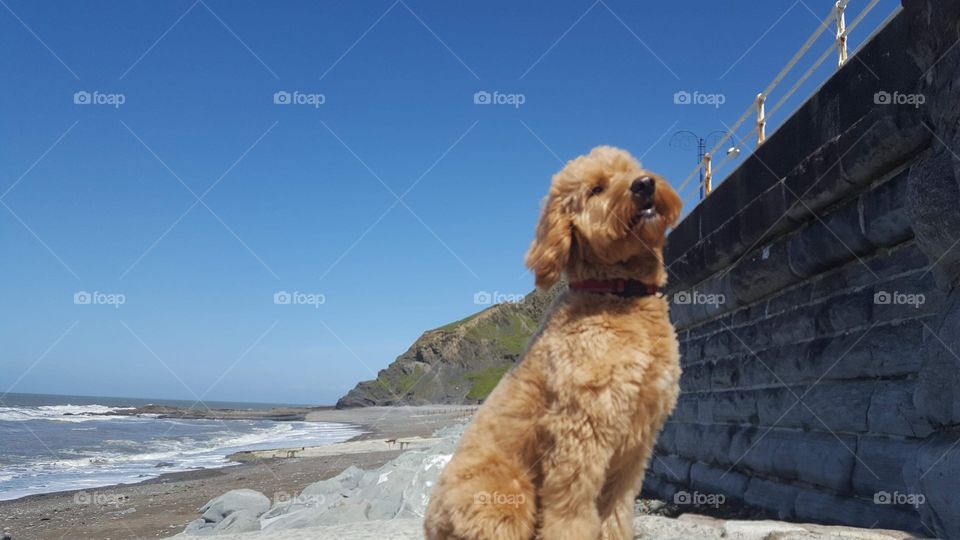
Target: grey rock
[[238, 522], [235, 501], [199, 527], [397, 490]]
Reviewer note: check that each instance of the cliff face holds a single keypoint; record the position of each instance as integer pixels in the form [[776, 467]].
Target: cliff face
[[459, 363]]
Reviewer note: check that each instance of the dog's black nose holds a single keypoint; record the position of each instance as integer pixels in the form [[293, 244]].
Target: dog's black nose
[[643, 187]]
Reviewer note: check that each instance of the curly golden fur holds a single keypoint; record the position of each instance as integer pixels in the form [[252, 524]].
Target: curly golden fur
[[559, 449]]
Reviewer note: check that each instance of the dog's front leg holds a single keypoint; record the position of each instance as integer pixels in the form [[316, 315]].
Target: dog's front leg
[[619, 494], [573, 474]]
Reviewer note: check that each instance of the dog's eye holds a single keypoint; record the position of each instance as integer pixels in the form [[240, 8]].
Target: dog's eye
[[596, 190]]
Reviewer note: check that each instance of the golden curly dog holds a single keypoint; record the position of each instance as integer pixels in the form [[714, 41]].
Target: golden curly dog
[[559, 449]]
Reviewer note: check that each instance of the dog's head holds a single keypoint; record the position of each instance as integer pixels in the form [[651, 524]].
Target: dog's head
[[605, 217]]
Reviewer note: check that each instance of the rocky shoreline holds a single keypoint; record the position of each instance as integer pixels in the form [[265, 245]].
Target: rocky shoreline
[[163, 506], [279, 414], [390, 502], [369, 487]]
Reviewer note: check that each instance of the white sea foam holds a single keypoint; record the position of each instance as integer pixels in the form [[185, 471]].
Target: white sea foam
[[167, 448], [59, 413]]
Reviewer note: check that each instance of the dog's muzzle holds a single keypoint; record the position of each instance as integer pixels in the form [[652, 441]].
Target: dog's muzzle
[[643, 190]]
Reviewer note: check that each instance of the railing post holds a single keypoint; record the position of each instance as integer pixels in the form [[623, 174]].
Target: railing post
[[761, 119], [707, 175], [841, 32]]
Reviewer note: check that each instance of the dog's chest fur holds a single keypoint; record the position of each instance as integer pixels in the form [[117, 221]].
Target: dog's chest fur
[[616, 359]]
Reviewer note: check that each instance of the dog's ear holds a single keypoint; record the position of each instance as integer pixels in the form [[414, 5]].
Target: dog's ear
[[550, 250]]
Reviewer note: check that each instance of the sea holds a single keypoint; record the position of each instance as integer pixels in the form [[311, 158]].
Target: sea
[[52, 443]]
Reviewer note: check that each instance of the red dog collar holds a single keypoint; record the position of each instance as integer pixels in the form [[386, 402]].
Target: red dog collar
[[619, 287]]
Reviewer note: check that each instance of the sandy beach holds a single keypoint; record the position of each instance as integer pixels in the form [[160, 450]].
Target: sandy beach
[[163, 506]]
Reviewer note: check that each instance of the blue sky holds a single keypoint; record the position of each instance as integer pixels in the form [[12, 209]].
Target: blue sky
[[395, 200]]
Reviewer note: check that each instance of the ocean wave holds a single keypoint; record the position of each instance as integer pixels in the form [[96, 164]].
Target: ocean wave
[[123, 460], [60, 413]]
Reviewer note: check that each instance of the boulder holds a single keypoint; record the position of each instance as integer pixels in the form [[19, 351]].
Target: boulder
[[248, 500], [397, 490], [238, 522]]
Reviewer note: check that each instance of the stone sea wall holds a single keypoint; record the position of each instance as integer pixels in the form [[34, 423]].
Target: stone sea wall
[[815, 297]]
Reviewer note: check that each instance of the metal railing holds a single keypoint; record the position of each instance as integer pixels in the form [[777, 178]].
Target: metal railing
[[836, 19]]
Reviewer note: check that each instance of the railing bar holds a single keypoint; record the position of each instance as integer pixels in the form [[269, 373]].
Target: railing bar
[[824, 25], [723, 140], [860, 17], [780, 103], [882, 25], [740, 145], [802, 79]]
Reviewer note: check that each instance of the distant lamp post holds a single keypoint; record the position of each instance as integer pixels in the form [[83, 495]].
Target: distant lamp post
[[686, 140]]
